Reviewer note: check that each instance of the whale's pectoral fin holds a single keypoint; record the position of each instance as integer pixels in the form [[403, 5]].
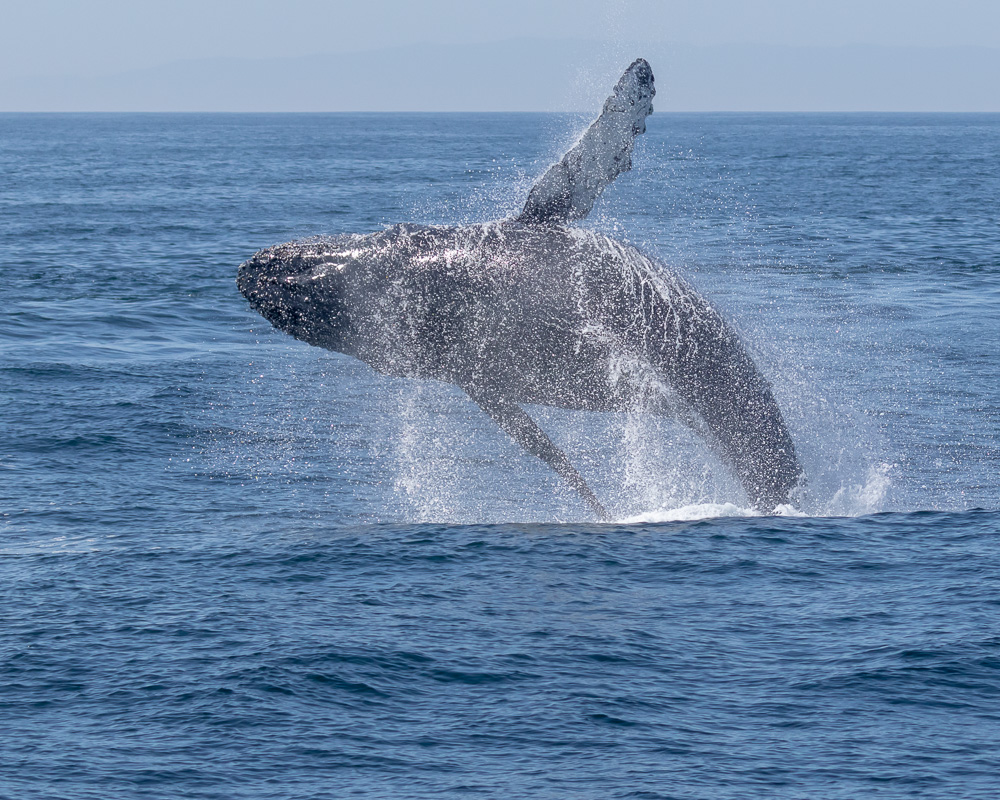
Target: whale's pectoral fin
[[525, 431], [568, 190]]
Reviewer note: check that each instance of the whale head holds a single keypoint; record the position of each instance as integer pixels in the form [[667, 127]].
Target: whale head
[[306, 288]]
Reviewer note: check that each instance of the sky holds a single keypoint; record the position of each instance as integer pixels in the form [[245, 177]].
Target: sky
[[72, 40]]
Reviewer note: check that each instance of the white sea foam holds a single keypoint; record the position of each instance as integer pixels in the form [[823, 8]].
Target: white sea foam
[[853, 500], [687, 513], [698, 511]]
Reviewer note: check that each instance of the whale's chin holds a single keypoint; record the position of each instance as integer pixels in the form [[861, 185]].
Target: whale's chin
[[295, 289]]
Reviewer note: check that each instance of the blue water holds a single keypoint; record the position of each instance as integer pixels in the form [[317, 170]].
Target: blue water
[[234, 566]]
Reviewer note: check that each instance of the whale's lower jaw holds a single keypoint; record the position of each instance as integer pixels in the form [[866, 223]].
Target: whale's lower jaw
[[293, 287]]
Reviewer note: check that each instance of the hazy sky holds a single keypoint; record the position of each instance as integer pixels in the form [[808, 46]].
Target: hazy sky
[[94, 37]]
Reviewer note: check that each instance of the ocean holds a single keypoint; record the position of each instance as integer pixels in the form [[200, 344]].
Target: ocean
[[235, 566]]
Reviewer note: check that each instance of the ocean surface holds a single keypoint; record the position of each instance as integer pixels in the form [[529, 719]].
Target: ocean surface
[[235, 566]]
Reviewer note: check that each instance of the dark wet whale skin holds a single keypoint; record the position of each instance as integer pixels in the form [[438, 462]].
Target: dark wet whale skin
[[532, 314]]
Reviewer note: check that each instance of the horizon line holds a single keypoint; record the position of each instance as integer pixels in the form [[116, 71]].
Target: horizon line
[[384, 112]]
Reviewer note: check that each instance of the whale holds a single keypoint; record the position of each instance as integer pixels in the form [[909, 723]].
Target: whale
[[534, 310]]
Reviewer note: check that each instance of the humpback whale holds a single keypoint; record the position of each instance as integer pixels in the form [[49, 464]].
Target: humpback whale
[[532, 310]]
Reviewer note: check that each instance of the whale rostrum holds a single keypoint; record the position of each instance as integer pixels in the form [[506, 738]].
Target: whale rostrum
[[533, 311]]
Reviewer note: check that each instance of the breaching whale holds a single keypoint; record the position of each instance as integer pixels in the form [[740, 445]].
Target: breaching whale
[[532, 311]]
